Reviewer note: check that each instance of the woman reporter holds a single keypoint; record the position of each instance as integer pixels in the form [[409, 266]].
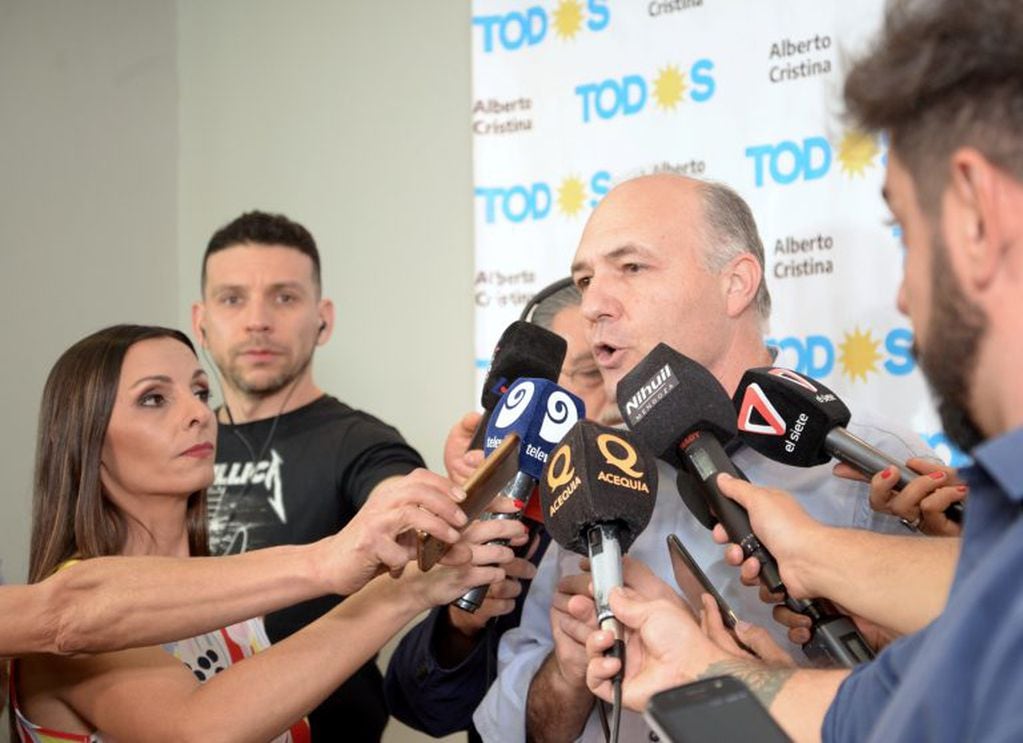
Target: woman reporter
[[124, 455]]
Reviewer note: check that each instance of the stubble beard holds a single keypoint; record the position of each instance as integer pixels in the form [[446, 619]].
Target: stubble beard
[[949, 361]]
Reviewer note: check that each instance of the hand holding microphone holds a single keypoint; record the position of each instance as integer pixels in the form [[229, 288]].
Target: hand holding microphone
[[800, 422]]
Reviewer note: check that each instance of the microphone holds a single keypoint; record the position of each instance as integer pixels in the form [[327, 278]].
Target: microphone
[[800, 422], [539, 413], [681, 411], [598, 494], [523, 350]]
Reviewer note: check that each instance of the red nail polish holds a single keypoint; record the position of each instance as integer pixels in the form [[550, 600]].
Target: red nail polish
[[962, 489], [937, 475], [887, 472], [519, 504]]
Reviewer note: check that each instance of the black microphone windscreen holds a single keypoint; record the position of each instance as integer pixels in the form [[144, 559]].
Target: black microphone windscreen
[[597, 475], [524, 350], [787, 417], [669, 396]]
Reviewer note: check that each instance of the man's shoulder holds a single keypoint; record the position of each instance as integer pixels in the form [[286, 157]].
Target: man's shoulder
[[329, 412]]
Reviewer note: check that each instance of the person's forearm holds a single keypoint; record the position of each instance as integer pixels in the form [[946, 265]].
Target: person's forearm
[[901, 583], [556, 710], [797, 698], [295, 675], [117, 602]]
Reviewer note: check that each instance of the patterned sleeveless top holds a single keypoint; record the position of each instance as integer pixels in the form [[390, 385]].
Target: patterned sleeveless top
[[205, 655]]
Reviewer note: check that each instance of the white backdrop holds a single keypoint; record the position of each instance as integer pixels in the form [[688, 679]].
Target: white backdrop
[[571, 96]]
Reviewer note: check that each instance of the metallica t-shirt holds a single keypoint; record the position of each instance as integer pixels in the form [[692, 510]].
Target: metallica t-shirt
[[300, 484]]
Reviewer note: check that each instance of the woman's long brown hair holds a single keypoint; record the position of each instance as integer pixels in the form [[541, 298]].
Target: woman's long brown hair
[[71, 516]]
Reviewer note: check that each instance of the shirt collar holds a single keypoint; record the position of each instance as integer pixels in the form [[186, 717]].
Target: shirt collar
[[1001, 459]]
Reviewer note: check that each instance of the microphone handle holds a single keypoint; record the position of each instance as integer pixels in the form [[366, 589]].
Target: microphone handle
[[834, 637], [605, 555], [706, 458], [854, 451], [518, 488]]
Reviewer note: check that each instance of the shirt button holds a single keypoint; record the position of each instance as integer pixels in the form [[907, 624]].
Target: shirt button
[[653, 736]]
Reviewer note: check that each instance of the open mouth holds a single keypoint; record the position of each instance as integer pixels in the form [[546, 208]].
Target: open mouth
[[605, 353]]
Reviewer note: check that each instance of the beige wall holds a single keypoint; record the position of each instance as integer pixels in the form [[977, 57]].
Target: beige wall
[[130, 130]]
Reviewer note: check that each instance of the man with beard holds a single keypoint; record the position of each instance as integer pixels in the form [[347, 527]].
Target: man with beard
[[293, 464], [945, 81]]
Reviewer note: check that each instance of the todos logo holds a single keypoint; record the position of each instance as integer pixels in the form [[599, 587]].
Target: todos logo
[[523, 202], [628, 95], [528, 27], [858, 353], [811, 158]]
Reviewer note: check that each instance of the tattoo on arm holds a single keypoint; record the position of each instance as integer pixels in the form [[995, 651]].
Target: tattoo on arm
[[764, 681]]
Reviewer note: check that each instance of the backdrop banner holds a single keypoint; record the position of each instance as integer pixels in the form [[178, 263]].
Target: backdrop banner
[[573, 96]]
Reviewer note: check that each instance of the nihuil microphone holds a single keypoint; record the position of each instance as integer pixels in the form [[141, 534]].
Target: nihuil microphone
[[539, 413], [800, 422], [682, 412], [523, 350]]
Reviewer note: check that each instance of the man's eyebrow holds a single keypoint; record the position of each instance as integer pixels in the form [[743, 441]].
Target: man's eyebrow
[[618, 253]]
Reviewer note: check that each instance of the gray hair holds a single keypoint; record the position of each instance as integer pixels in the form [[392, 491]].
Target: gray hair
[[733, 231], [544, 313]]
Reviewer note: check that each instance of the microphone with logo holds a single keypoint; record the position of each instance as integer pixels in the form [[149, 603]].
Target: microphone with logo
[[682, 413], [540, 413], [523, 350], [598, 493], [800, 422]]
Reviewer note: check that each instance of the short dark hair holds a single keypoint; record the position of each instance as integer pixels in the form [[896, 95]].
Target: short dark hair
[[944, 74], [263, 228]]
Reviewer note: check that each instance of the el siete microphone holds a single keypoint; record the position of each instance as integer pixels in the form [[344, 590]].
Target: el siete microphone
[[539, 413], [800, 422], [598, 493], [681, 411], [523, 350]]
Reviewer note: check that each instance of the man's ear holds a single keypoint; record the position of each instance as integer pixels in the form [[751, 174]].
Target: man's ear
[[741, 279], [974, 216], [326, 324], [198, 322]]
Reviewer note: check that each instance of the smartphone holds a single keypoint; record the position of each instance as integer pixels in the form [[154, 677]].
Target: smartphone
[[694, 582], [481, 488], [715, 710]]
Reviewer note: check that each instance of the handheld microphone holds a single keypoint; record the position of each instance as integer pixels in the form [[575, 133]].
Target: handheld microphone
[[523, 350], [800, 422], [540, 413], [598, 494], [682, 412]]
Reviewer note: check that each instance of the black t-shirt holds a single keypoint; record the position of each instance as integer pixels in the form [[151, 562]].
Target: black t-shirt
[[310, 478]]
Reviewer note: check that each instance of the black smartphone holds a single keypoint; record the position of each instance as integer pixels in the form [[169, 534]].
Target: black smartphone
[[715, 710], [694, 582]]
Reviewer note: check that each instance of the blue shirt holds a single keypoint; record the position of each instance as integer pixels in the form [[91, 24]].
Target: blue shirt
[[960, 678]]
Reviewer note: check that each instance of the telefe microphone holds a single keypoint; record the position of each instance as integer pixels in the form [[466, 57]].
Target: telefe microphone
[[539, 413], [523, 350], [800, 422], [682, 412], [598, 493]]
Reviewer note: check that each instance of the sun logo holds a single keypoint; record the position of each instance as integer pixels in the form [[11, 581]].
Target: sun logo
[[859, 354], [856, 152], [669, 86], [568, 19], [571, 196]]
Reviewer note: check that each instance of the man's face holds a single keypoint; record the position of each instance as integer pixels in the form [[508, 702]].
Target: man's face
[[947, 326], [580, 374], [640, 269], [260, 316]]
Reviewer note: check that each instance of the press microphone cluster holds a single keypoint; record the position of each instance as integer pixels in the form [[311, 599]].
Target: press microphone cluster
[[597, 495], [800, 422], [681, 412], [523, 350], [539, 413]]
